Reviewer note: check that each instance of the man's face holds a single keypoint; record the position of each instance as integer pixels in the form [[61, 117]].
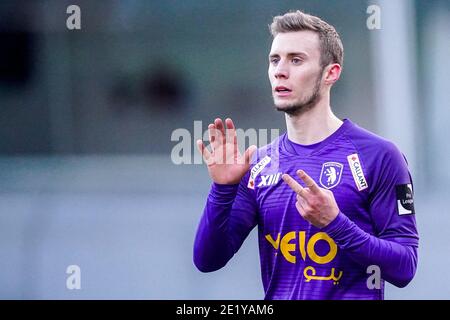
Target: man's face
[[295, 71]]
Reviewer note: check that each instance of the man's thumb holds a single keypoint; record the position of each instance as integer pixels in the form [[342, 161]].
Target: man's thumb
[[249, 153]]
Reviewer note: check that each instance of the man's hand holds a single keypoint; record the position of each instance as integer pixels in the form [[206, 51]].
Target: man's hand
[[225, 163], [315, 204]]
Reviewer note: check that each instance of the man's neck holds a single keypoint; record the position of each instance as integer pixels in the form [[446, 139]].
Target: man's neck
[[313, 126]]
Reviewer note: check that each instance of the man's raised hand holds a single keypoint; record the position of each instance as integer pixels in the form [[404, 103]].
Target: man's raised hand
[[315, 204], [226, 165]]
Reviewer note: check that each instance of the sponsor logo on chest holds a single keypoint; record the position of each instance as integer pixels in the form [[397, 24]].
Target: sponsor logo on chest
[[357, 172]]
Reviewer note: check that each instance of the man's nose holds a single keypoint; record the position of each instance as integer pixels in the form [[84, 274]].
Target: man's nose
[[281, 71]]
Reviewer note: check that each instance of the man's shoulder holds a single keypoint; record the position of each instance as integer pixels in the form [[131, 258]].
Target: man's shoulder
[[366, 141], [374, 150]]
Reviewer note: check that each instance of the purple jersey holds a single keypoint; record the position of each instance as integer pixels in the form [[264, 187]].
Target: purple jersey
[[374, 231]]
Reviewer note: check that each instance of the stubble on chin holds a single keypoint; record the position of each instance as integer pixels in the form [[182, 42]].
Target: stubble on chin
[[299, 107]]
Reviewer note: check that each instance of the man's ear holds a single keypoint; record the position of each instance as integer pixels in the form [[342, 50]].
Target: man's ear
[[332, 73]]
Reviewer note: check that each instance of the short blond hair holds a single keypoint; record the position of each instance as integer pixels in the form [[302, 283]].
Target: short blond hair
[[331, 48]]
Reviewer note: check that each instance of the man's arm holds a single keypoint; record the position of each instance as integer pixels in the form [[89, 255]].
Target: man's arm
[[228, 218], [394, 246], [397, 261], [230, 212]]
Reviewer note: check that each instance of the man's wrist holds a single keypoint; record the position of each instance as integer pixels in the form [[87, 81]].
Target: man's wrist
[[335, 225], [223, 192]]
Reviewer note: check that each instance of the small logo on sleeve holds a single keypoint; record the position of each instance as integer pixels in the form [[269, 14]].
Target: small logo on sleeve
[[357, 172], [256, 170], [405, 199]]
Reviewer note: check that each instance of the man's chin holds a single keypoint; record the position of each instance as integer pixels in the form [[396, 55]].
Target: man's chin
[[281, 108], [292, 109], [284, 106]]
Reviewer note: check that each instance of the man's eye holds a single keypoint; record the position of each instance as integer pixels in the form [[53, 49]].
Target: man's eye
[[296, 61], [274, 61]]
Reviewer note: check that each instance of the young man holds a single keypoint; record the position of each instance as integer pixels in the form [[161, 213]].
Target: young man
[[347, 220]]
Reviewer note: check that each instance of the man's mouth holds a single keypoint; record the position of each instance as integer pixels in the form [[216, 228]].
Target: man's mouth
[[282, 91]]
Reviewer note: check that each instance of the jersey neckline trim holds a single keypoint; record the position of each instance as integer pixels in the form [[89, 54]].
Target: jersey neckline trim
[[307, 150]]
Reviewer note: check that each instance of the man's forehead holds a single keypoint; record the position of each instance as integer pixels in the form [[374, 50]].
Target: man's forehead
[[298, 41]]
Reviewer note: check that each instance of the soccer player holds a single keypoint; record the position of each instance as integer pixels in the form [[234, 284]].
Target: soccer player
[[333, 202]]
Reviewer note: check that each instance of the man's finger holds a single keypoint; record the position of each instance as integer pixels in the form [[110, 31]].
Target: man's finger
[[204, 152], [229, 123], [298, 189], [301, 199], [213, 136], [309, 182], [300, 208], [219, 126], [231, 132], [248, 154]]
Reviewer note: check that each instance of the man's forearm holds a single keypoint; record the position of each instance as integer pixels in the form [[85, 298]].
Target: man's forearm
[[396, 261], [212, 247]]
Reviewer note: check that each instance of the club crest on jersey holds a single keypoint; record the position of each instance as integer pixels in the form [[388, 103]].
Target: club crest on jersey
[[331, 173], [256, 170]]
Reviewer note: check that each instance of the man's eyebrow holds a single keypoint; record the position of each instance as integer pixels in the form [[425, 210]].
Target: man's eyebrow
[[290, 54]]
